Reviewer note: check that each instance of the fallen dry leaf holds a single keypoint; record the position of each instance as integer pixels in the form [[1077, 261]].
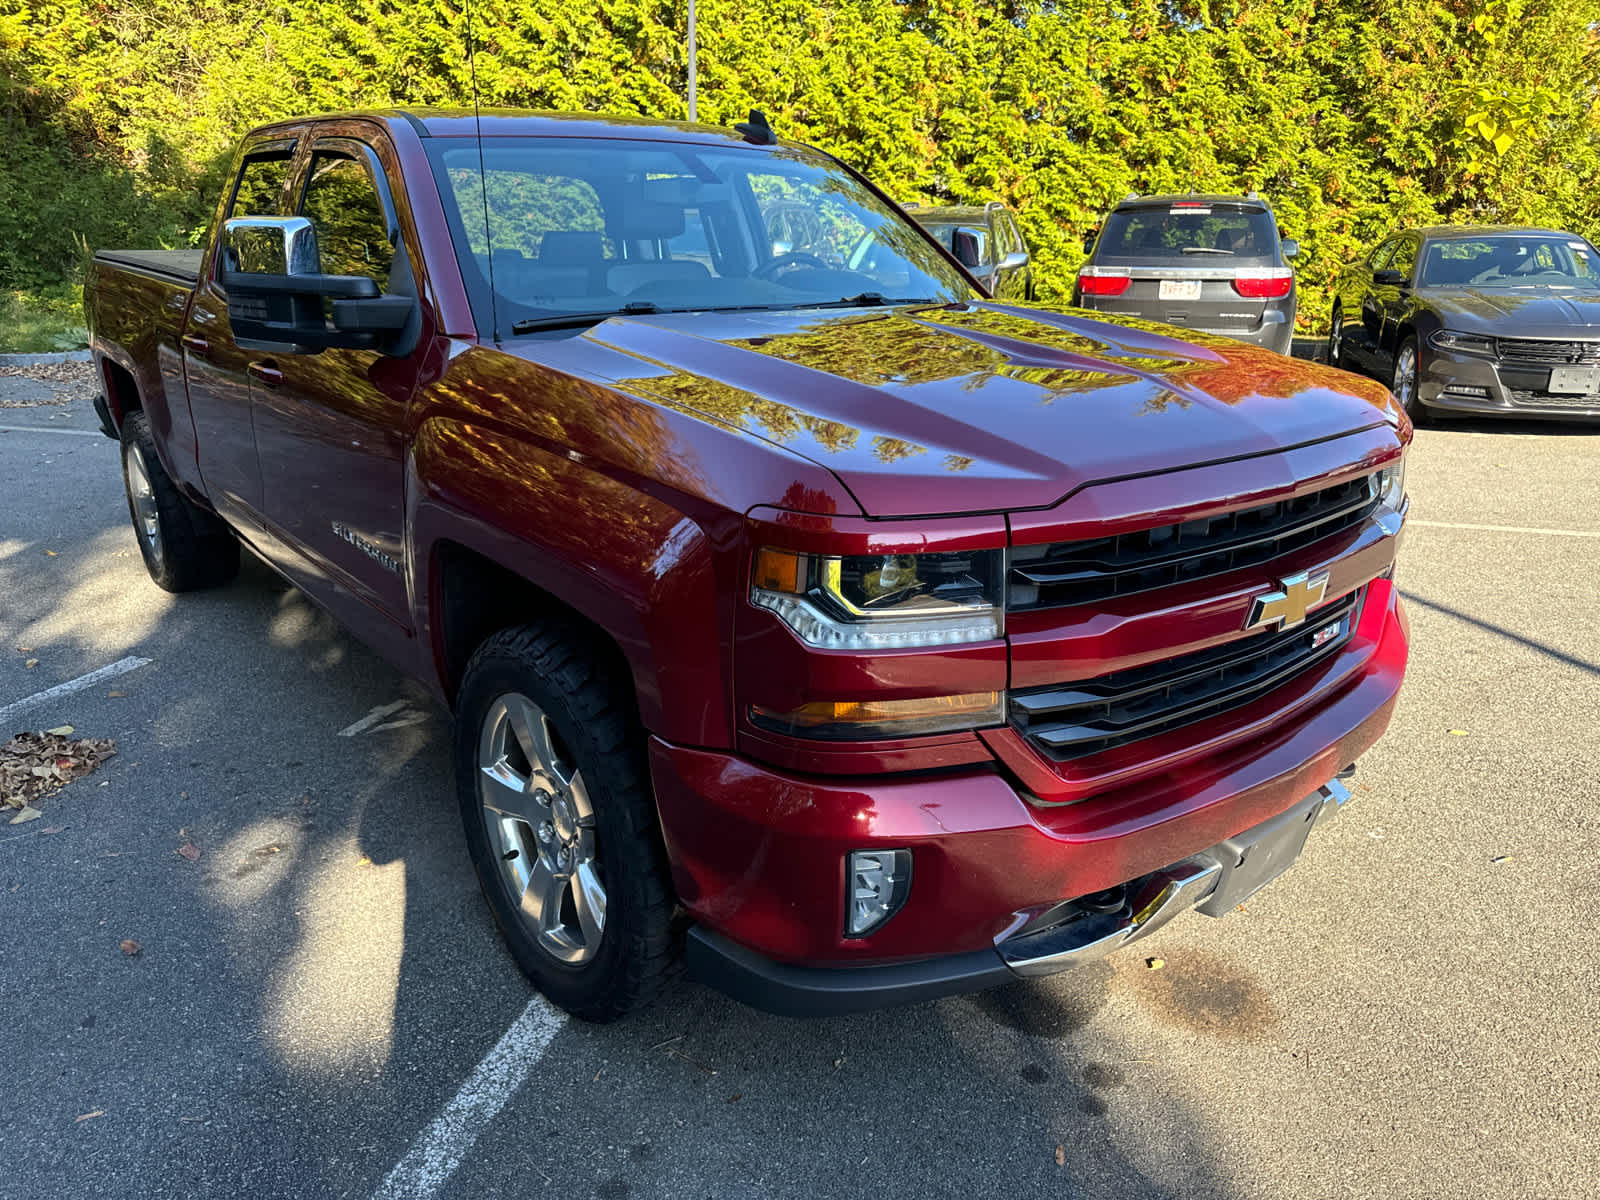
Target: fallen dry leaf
[[1061, 1156], [1458, 733], [116, 695], [31, 663], [51, 553], [1155, 964], [130, 947], [28, 813], [35, 764], [24, 649], [189, 851], [52, 829], [99, 1112], [1500, 858]]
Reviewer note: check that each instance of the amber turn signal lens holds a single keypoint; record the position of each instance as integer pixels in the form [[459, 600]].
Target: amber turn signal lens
[[779, 571], [862, 719]]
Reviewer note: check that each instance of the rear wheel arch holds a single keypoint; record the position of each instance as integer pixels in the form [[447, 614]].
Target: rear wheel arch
[[122, 390]]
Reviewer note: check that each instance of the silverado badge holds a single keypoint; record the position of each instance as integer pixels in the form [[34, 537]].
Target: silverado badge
[[1287, 607]]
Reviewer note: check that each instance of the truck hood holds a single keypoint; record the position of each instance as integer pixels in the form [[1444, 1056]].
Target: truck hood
[[982, 407]]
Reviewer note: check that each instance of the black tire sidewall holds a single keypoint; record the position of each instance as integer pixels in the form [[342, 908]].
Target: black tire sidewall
[[198, 549], [588, 990]]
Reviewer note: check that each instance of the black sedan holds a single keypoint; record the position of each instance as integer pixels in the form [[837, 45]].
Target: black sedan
[[1479, 320]]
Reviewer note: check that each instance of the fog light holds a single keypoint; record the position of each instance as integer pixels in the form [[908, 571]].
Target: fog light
[[877, 883]]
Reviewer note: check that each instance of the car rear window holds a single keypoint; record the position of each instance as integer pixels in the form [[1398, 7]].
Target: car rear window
[[1189, 230]]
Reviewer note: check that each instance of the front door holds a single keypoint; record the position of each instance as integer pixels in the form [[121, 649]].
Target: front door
[[331, 426], [216, 367]]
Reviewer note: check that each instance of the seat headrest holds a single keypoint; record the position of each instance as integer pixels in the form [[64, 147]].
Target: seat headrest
[[571, 248], [651, 221]]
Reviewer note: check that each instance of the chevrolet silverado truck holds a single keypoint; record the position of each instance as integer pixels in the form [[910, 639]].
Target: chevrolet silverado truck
[[807, 616]]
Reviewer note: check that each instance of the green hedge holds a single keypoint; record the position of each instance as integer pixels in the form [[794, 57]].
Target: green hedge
[[1352, 118]]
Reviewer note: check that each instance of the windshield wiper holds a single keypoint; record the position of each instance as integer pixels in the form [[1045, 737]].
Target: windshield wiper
[[574, 320], [1206, 250], [870, 299]]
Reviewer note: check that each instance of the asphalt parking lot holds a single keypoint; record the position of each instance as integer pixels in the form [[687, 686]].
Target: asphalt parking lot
[[321, 1007]]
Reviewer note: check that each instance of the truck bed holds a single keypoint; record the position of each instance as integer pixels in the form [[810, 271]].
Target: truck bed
[[180, 266]]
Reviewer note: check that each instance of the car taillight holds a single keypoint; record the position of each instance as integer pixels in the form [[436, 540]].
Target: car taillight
[[1102, 285], [1267, 283]]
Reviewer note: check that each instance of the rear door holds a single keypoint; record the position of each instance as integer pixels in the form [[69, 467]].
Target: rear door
[[330, 427], [214, 365], [1207, 266]]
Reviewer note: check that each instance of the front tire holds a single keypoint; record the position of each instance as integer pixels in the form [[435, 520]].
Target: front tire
[[1336, 337], [184, 547], [558, 812], [1403, 383]]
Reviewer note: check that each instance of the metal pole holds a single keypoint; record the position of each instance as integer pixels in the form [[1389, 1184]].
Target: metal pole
[[692, 115]]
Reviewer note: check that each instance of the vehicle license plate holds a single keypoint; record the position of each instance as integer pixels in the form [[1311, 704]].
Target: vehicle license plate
[[1574, 381], [1180, 289]]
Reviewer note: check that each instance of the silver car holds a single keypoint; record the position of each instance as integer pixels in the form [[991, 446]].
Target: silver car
[[987, 241], [1213, 264]]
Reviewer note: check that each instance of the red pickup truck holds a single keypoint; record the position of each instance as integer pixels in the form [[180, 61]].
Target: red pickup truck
[[804, 612]]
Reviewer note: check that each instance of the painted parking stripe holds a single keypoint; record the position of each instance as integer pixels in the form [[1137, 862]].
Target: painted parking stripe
[[436, 1154], [47, 429], [120, 667], [1577, 533]]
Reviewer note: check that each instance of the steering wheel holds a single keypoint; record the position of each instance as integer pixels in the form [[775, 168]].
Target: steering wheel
[[794, 258]]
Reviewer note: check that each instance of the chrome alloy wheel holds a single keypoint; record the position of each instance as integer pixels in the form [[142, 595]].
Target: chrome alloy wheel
[[146, 516], [1336, 338], [541, 828], [1405, 376]]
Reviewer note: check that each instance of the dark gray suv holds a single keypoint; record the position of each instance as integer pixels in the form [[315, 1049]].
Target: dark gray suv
[[1213, 264]]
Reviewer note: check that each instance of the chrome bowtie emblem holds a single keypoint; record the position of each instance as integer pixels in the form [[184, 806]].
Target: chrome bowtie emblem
[[1287, 607]]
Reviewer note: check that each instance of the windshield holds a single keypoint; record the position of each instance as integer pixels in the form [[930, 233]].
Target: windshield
[[589, 226], [1514, 261], [1188, 229]]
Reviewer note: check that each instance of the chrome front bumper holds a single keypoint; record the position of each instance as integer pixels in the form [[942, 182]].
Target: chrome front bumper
[[1215, 882]]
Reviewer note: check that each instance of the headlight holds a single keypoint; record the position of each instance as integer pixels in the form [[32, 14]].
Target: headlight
[[1463, 343], [1391, 485], [883, 601]]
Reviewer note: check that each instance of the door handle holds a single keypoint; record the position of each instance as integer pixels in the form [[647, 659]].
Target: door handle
[[197, 343], [266, 373]]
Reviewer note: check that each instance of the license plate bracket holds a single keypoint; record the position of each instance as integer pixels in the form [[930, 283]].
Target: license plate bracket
[[1574, 381], [1179, 289], [1259, 855]]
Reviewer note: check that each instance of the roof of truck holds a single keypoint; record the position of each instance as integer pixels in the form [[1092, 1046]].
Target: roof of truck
[[517, 122]]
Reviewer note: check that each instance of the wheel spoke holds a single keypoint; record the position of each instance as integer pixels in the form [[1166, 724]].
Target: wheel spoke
[[541, 898], [505, 792], [579, 793], [532, 730], [589, 899]]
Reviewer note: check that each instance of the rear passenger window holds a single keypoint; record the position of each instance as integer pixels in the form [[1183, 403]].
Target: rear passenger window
[[260, 190], [352, 228]]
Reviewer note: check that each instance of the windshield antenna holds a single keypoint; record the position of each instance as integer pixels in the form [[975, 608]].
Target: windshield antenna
[[483, 181]]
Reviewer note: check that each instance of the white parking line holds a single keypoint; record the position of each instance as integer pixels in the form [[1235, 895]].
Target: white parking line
[[372, 718], [436, 1154], [120, 667], [1577, 533], [47, 429]]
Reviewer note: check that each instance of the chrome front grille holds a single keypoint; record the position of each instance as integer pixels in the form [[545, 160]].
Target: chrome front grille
[[1069, 721], [1065, 573]]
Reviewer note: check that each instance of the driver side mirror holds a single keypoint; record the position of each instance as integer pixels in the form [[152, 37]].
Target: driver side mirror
[[1290, 247], [1014, 261], [964, 245], [1089, 239], [1387, 278], [280, 301]]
